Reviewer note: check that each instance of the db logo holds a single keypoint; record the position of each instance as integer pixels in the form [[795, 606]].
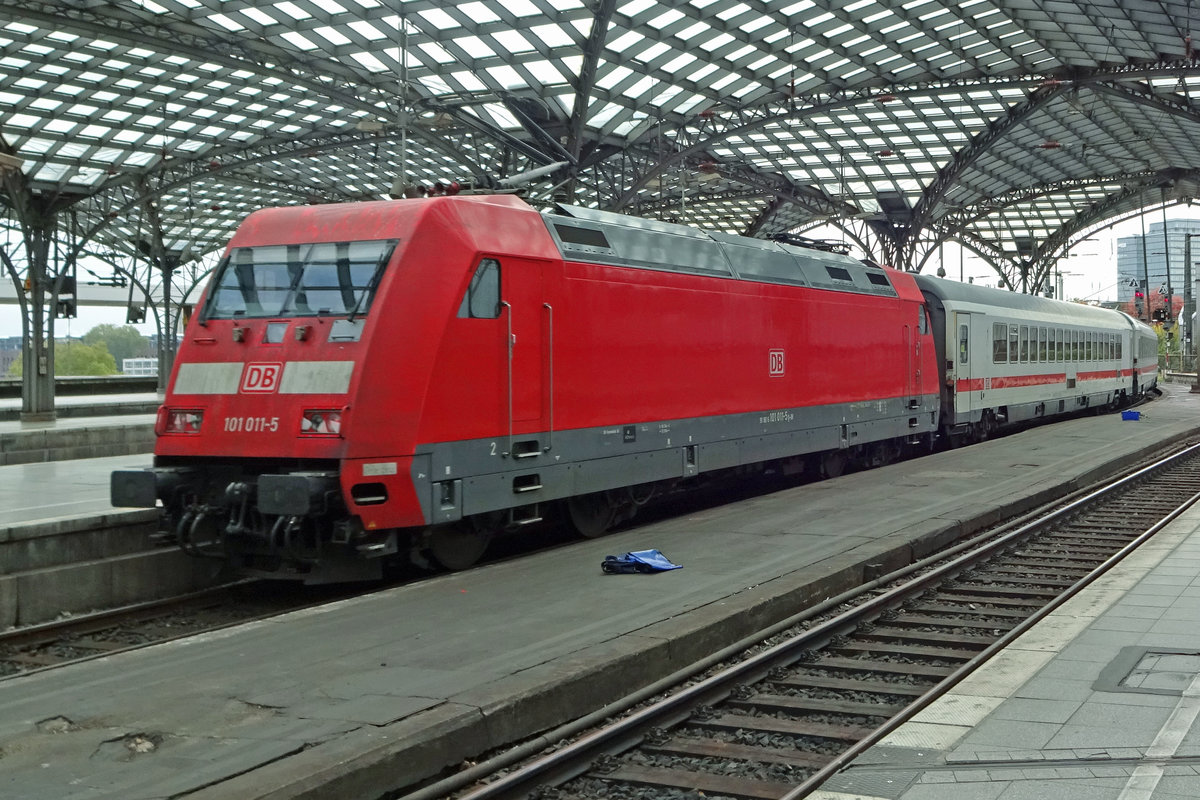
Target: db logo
[[261, 377], [776, 367]]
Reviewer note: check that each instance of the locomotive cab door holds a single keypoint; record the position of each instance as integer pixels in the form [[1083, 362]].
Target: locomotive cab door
[[529, 330]]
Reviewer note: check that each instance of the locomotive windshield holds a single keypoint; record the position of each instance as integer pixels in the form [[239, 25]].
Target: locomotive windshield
[[299, 280]]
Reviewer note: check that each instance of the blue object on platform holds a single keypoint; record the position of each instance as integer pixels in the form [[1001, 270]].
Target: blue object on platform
[[1135, 415], [637, 561]]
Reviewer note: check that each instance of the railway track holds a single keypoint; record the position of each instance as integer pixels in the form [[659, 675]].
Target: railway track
[[799, 707], [78, 638]]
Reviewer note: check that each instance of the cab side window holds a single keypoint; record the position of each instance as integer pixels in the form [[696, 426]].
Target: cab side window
[[482, 300]]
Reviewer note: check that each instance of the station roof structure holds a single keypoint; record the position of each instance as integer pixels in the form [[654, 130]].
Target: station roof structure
[[1016, 127]]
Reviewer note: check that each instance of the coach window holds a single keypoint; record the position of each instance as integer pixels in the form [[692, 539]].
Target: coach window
[[482, 300], [1119, 342], [1024, 343], [999, 342], [963, 350], [1058, 344], [1012, 344]]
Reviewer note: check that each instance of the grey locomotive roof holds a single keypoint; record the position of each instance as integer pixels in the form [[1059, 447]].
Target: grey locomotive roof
[[602, 237]]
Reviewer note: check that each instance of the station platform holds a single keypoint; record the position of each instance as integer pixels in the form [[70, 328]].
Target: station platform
[[1098, 701], [65, 550], [93, 405], [105, 425], [355, 698]]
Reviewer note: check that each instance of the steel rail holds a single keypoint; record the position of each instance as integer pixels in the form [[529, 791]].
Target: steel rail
[[844, 758], [573, 759]]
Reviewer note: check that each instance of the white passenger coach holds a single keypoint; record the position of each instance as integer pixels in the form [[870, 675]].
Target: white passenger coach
[[1011, 357]]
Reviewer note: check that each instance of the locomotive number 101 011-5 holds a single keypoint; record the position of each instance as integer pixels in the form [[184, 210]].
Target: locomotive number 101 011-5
[[251, 424]]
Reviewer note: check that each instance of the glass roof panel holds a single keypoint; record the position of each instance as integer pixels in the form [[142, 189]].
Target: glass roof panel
[[824, 104]]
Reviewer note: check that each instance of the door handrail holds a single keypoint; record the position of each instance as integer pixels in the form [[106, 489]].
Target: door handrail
[[508, 317], [550, 359]]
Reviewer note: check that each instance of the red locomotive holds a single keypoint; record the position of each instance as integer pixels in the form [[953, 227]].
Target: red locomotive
[[387, 379]]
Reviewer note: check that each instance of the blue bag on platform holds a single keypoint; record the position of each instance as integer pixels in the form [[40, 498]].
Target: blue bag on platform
[[637, 561]]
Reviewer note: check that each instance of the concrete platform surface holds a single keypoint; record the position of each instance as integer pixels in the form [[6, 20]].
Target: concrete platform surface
[[1099, 701], [67, 438], [64, 549], [60, 490], [72, 401], [353, 698], [69, 407]]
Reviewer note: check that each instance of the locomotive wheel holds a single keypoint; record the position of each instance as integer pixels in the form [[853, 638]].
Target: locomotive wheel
[[458, 546], [591, 514], [833, 463]]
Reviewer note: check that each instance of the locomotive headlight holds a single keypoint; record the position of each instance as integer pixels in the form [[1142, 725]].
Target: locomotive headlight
[[323, 422], [181, 420]]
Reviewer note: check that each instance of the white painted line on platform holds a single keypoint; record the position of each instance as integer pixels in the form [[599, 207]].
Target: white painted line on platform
[[1145, 778]]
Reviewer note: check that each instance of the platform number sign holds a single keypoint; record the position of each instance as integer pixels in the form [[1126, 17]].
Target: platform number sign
[[261, 378], [775, 369]]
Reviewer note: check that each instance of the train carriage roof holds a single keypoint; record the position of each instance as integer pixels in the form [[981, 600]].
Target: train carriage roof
[[953, 292]]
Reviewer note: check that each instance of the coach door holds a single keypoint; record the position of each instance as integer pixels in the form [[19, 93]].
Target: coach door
[[530, 326], [964, 384]]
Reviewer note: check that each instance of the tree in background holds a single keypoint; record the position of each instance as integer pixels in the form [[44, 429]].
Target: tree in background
[[1157, 310], [122, 341], [77, 358]]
